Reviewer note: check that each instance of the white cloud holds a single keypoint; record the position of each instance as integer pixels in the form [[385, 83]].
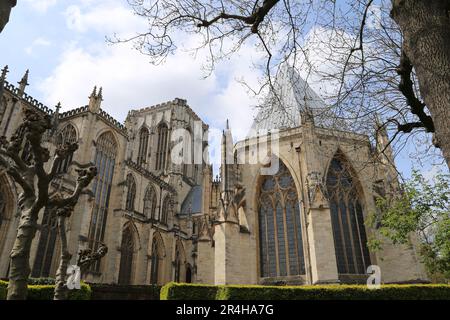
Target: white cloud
[[102, 16], [130, 82], [41, 6], [38, 42]]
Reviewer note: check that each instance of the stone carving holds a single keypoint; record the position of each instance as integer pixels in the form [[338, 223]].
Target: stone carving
[[316, 189], [86, 257]]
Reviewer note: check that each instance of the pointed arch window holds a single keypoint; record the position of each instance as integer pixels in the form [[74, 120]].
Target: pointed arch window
[[166, 210], [179, 262], [126, 257], [161, 151], [188, 152], [143, 145], [280, 230], [105, 155], [349, 233], [155, 262], [67, 135], [150, 203], [46, 246], [131, 193]]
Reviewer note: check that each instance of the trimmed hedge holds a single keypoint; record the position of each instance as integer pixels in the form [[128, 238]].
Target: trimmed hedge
[[176, 291], [124, 292], [46, 292], [185, 291]]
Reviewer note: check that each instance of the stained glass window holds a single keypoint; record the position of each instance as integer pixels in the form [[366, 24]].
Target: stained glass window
[[131, 193], [161, 151], [350, 240], [156, 261], [46, 246], [67, 135], [143, 145], [126, 257], [106, 149], [150, 203], [166, 209], [280, 233]]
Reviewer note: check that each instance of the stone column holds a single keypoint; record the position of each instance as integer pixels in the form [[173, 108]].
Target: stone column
[[318, 216]]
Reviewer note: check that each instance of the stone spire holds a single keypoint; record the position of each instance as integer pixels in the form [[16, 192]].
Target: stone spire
[[95, 100], [4, 72], [382, 138], [55, 120], [23, 83], [2, 79], [227, 160]]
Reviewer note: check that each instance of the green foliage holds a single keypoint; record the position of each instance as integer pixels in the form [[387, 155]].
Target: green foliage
[[184, 291], [124, 292], [3, 289], [176, 291], [46, 292], [41, 281], [423, 209]]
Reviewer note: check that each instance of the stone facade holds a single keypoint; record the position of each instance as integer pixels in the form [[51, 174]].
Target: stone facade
[[164, 221]]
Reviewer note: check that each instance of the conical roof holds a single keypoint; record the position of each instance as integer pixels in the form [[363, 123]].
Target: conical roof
[[290, 97]]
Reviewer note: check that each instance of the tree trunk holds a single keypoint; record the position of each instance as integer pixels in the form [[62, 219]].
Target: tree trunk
[[61, 291], [425, 25], [20, 256]]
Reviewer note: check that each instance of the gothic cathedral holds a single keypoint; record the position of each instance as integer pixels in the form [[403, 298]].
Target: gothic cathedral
[[302, 223]]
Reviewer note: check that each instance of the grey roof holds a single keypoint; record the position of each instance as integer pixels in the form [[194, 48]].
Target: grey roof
[[193, 202], [291, 96]]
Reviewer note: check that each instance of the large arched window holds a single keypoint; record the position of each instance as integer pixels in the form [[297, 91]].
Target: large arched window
[[347, 219], [46, 246], [106, 149], [156, 260], [143, 144], [126, 257], [67, 135], [131, 193], [167, 209], [161, 150], [280, 230], [150, 202]]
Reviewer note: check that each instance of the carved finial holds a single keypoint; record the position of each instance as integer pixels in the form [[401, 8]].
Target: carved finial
[[94, 92], [4, 72], [58, 107], [23, 83], [95, 100]]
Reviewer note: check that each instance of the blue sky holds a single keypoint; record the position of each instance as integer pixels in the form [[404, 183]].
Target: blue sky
[[63, 44]]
